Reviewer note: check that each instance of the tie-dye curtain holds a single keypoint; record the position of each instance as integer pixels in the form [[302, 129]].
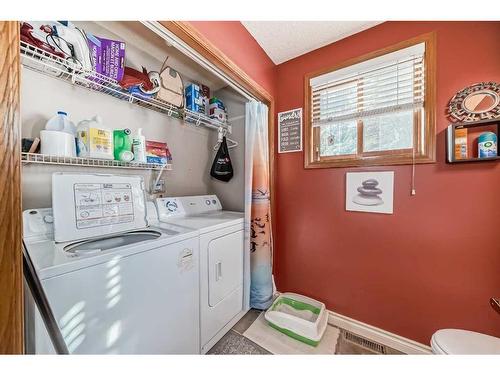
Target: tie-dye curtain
[[258, 205]]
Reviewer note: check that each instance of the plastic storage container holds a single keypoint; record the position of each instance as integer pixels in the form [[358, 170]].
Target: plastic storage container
[[57, 143]]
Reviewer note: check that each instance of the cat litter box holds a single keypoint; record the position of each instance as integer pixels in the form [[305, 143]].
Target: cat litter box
[[299, 317]]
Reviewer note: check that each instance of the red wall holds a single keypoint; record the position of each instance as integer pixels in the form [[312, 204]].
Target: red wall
[[237, 43], [435, 262]]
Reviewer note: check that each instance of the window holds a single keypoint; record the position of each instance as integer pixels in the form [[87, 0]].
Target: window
[[374, 110]]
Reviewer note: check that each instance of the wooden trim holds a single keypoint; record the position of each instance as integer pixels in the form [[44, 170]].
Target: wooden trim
[[309, 152], [197, 41], [11, 276], [430, 96], [194, 39], [367, 161], [426, 153]]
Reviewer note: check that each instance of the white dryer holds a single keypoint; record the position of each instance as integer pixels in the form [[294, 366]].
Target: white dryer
[[131, 289], [222, 260]]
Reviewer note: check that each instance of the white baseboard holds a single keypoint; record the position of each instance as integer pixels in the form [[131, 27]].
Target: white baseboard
[[392, 340]]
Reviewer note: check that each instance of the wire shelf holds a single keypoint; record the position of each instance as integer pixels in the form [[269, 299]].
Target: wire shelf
[[198, 119], [66, 70], [28, 158]]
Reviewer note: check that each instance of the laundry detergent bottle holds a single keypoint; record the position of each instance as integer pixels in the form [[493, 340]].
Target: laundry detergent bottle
[[122, 145], [94, 139]]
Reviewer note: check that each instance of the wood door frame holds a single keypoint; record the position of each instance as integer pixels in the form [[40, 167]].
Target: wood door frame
[[11, 259], [198, 42]]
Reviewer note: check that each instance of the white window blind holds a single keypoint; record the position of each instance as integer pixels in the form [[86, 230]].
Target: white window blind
[[389, 83]]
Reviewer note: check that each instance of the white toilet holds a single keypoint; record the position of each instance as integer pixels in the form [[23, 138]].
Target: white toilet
[[459, 341]]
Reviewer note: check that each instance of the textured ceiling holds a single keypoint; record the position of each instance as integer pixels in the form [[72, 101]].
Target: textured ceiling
[[285, 40]]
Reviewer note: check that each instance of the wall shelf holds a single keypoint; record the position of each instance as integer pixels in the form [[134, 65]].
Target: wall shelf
[[48, 64], [28, 158], [469, 160], [450, 140]]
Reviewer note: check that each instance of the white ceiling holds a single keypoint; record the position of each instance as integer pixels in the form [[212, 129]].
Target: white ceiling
[[285, 40]]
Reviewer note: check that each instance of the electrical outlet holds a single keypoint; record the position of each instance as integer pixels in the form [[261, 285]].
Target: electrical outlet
[[159, 187]]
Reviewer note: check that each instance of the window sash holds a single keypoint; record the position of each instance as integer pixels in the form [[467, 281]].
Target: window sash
[[417, 129]]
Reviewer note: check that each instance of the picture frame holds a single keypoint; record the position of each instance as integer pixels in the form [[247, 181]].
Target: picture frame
[[290, 131], [370, 192]]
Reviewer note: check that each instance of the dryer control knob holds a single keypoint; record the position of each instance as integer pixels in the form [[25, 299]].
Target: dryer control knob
[[171, 206]]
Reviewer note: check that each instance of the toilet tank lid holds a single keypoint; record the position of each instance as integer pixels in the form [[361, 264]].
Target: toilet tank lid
[[459, 341]]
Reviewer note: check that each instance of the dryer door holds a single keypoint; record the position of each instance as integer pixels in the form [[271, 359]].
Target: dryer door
[[225, 266]]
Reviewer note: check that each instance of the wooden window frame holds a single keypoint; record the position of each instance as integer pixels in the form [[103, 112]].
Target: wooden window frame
[[425, 147]]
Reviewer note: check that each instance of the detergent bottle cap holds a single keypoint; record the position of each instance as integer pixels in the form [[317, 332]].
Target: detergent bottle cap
[[62, 113], [139, 132]]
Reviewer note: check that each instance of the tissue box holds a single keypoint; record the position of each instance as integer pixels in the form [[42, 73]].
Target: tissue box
[[108, 56], [157, 152]]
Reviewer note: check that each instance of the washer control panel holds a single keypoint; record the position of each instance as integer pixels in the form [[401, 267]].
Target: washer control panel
[[191, 205]]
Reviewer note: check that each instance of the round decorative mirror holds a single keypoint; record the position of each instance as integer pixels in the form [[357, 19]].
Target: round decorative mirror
[[477, 102]]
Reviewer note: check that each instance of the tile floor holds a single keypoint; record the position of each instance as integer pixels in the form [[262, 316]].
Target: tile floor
[[234, 342]]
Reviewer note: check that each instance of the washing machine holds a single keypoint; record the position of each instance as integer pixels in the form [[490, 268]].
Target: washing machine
[[223, 262], [113, 283]]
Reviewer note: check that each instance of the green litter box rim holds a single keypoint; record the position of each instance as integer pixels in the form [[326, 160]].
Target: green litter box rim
[[297, 305]]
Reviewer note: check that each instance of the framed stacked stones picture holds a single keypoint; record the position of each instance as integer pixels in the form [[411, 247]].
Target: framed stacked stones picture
[[370, 192]]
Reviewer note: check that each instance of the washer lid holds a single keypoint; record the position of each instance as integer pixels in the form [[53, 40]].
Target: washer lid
[[459, 341], [52, 259], [210, 221]]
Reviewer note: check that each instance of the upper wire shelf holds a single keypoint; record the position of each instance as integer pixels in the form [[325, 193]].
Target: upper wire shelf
[[46, 63]]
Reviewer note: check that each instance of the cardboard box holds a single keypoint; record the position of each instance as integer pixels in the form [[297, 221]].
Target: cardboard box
[[108, 56], [194, 99], [157, 152], [218, 114], [461, 143]]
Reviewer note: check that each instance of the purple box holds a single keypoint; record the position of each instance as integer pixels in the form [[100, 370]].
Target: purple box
[[108, 56]]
